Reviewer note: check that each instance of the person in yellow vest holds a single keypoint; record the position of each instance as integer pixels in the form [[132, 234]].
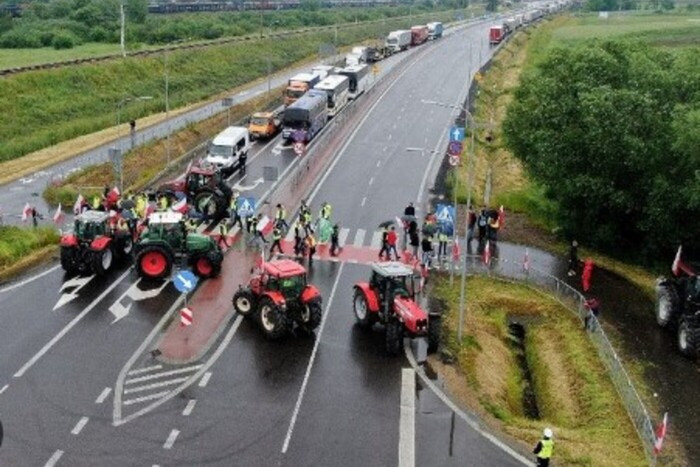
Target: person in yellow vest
[[310, 241], [96, 203], [281, 216], [544, 449], [140, 206], [276, 239], [443, 238], [223, 235], [326, 211]]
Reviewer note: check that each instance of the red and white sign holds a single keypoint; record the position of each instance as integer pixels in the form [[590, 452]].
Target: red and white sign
[[661, 434], [487, 253], [186, 317], [26, 212], [453, 160], [58, 215], [299, 148]]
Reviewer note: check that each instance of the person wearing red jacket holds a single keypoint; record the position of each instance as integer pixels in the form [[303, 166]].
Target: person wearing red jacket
[[391, 240]]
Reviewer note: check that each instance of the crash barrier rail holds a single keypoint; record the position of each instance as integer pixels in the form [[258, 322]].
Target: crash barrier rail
[[574, 301]]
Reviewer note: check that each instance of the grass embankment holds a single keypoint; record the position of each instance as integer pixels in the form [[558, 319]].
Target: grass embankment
[[572, 390], [22, 247], [145, 162], [44, 108]]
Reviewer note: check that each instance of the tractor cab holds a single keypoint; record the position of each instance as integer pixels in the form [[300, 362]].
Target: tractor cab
[[285, 276], [199, 177], [90, 225], [168, 226], [392, 279]]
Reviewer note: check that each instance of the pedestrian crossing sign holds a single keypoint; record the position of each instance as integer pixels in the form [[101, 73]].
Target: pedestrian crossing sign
[[246, 206], [445, 214]]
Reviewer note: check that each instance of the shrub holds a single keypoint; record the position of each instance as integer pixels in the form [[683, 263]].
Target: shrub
[[63, 40], [20, 38]]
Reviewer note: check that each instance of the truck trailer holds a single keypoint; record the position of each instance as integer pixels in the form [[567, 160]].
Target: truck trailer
[[298, 85], [496, 34], [435, 30], [305, 118], [399, 40], [419, 34]]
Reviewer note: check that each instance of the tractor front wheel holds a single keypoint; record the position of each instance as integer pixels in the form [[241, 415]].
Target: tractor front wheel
[[666, 303], [244, 302], [361, 308], [102, 260], [394, 336], [687, 338], [272, 319], [154, 262], [208, 265], [311, 315], [69, 259]]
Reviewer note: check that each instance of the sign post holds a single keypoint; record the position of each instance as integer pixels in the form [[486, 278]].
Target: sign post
[[185, 282]]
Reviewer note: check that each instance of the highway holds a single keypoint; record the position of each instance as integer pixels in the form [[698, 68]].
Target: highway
[[80, 385]]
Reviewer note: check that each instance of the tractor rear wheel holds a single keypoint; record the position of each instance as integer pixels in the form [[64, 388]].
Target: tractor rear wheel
[[244, 302], [69, 259], [687, 335], [667, 303], [311, 315], [394, 336], [154, 262], [210, 204], [434, 333], [272, 319], [102, 260], [207, 265], [361, 308]]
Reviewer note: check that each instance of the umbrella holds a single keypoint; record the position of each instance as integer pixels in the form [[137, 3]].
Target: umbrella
[[128, 204], [396, 221], [429, 229]]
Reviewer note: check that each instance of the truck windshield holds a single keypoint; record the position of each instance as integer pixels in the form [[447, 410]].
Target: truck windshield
[[295, 93], [391, 41], [220, 151], [259, 121]]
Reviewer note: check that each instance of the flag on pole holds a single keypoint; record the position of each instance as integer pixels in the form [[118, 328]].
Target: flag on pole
[[526, 260], [501, 217], [180, 206], [455, 250], [58, 215], [487, 253], [661, 434], [676, 266], [78, 206], [26, 212]]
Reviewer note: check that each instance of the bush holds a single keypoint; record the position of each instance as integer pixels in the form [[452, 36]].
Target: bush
[[63, 40], [20, 38]]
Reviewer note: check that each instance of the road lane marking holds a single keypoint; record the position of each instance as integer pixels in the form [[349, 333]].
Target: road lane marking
[[145, 398], [390, 136], [56, 456], [162, 374], [171, 439], [376, 240], [155, 385], [79, 426], [300, 398], [189, 408], [364, 200], [145, 370], [371, 180], [4, 388], [379, 163], [70, 325], [407, 419], [29, 279], [74, 284], [103, 395], [342, 236], [135, 294], [359, 238], [469, 420], [205, 379]]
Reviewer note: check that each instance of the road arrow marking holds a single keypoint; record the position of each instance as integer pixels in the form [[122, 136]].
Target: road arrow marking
[[135, 294], [75, 284], [239, 187]]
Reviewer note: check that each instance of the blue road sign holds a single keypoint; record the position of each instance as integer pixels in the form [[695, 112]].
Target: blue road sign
[[454, 148], [456, 133], [185, 281], [246, 206], [445, 214]]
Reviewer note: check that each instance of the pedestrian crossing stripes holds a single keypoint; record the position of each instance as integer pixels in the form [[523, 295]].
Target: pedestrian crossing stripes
[[376, 240], [359, 238], [154, 382], [343, 236]]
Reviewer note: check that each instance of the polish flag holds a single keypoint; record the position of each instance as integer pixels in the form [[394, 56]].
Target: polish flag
[[26, 212], [661, 434], [526, 260], [58, 215], [180, 206], [78, 206], [676, 266], [455, 251], [265, 226], [501, 217], [487, 253]]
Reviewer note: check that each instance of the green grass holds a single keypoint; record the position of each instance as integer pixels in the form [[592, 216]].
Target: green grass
[[18, 242], [532, 201], [10, 58], [43, 108]]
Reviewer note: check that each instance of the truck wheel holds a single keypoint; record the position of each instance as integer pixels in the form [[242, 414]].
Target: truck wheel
[[272, 319], [154, 262], [434, 333], [686, 339], [394, 337], [244, 302], [102, 260], [311, 315], [361, 308], [69, 259], [666, 303]]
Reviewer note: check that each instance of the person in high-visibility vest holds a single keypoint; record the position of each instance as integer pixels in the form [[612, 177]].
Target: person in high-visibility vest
[[544, 449], [310, 241], [298, 243], [280, 217], [235, 217], [97, 203], [325, 211], [223, 236], [276, 238]]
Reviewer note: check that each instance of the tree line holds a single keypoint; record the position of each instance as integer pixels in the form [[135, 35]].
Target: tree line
[[611, 130]]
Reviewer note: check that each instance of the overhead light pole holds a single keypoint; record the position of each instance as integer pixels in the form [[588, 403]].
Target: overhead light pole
[[120, 151]]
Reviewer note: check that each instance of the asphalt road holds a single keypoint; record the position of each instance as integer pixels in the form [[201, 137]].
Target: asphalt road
[[333, 399]]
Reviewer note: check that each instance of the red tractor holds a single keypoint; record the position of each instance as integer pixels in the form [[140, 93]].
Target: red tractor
[[388, 298], [94, 244], [280, 297], [206, 187]]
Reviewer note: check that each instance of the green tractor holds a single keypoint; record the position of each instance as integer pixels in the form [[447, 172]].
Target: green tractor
[[165, 240]]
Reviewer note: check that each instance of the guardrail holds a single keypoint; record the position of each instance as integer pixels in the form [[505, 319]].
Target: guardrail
[[574, 301]]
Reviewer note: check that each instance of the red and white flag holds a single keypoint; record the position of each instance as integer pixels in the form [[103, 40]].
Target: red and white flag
[[455, 251], [78, 206], [526, 260], [180, 206], [26, 212], [676, 266], [487, 253], [501, 218], [58, 215], [661, 434], [186, 317]]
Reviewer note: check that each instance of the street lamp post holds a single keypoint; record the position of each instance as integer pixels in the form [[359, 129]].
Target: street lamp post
[[120, 104]]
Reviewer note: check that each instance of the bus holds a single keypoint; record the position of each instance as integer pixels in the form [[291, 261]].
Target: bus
[[337, 89], [305, 118], [359, 79]]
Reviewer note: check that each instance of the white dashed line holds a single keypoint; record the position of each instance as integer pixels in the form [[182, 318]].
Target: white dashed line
[[79, 426], [379, 163], [171, 439], [52, 461], [407, 419], [103, 396], [165, 373], [4, 388], [145, 398], [156, 385], [205, 379], [364, 200], [371, 180], [189, 408], [359, 237], [144, 370]]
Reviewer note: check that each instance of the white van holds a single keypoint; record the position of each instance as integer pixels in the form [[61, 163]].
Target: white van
[[229, 149]]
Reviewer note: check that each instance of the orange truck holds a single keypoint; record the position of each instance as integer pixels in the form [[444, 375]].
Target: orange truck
[[264, 125], [298, 85]]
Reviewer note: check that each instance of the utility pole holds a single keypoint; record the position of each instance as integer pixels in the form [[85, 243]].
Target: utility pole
[[269, 74], [123, 26]]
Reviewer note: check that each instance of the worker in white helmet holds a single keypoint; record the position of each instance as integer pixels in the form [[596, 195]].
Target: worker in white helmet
[[544, 448]]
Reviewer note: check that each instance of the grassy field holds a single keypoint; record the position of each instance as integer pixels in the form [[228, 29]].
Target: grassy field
[[10, 58], [19, 242], [573, 393]]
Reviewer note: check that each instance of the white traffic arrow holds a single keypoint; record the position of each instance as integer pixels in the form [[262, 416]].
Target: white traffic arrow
[[135, 294], [239, 187], [74, 284], [186, 283]]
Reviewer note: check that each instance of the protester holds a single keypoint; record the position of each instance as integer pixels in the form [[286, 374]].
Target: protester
[[471, 224], [410, 210], [276, 239], [335, 246], [280, 217], [414, 242], [483, 223], [391, 239], [427, 249], [310, 242], [573, 258], [298, 228], [442, 244], [544, 449], [385, 243]]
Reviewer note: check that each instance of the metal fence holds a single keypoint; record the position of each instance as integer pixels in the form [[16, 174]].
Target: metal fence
[[574, 301]]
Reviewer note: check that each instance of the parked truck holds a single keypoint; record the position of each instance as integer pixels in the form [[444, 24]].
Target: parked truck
[[419, 34], [435, 30], [357, 56], [399, 40], [510, 25], [496, 34], [298, 85], [305, 118], [264, 125]]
